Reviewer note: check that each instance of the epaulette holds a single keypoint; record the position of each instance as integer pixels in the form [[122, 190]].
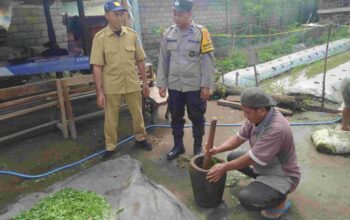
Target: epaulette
[[199, 26], [169, 29], [100, 32], [129, 29]]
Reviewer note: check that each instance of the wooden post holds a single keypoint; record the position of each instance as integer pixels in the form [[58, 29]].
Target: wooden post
[[210, 143], [256, 76], [62, 109], [126, 17], [325, 66]]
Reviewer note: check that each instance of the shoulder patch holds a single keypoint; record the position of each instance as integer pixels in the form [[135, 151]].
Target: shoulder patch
[[207, 44]]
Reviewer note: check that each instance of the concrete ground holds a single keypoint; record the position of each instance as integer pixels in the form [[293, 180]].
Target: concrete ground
[[322, 193]]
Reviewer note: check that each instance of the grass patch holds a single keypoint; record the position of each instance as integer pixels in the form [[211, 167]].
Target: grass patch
[[68, 204], [310, 70], [334, 61]]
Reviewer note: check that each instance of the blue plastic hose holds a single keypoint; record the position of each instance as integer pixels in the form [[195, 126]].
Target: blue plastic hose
[[13, 173]]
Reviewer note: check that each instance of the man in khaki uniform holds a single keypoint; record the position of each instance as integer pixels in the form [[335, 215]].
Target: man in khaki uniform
[[115, 50]]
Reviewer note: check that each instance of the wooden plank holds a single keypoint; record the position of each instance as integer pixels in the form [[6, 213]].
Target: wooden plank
[[27, 99], [82, 89], [78, 80], [233, 98], [155, 97], [238, 105], [26, 111], [62, 109], [333, 10], [26, 90], [69, 110]]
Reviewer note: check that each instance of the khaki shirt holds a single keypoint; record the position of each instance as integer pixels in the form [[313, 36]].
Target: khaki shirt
[[182, 65], [117, 55]]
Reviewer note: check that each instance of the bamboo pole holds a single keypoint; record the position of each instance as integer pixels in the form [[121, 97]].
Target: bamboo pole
[[325, 66], [210, 143]]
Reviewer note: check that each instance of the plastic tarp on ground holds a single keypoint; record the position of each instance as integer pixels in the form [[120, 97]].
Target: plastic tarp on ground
[[121, 182], [331, 141], [246, 77], [313, 86]]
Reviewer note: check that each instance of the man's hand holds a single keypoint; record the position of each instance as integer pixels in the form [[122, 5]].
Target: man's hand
[[216, 172], [145, 89], [214, 150], [101, 100], [162, 92], [205, 93]]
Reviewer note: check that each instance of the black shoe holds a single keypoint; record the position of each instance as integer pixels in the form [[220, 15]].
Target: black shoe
[[144, 145], [176, 151], [108, 154]]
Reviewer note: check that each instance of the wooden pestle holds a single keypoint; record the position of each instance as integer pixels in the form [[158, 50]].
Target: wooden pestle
[[210, 143]]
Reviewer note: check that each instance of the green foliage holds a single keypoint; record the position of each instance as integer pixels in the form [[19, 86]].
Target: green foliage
[[219, 91], [68, 204], [236, 60], [158, 30]]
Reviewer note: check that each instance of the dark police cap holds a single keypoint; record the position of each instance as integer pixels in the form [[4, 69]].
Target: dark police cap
[[114, 5], [256, 98], [183, 5]]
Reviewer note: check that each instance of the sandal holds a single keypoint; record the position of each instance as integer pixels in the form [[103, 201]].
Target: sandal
[[276, 213]]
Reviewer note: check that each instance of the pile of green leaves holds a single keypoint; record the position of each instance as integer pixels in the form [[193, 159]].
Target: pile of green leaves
[[68, 204]]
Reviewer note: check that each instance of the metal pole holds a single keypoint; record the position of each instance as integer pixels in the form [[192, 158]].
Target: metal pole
[[325, 65], [250, 35], [50, 29], [86, 37]]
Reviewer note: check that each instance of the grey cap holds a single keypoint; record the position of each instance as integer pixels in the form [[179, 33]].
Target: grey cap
[[182, 5], [256, 98]]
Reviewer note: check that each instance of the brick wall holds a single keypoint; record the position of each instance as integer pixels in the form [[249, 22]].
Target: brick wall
[[28, 26], [218, 16], [337, 17], [326, 4]]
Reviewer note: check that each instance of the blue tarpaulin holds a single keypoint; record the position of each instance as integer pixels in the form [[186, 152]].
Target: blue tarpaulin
[[55, 64]]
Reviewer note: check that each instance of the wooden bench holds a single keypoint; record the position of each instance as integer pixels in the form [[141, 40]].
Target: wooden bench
[[153, 102], [21, 100], [80, 87]]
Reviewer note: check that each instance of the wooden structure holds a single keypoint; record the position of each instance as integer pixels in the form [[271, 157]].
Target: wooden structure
[[337, 11], [25, 99], [60, 94]]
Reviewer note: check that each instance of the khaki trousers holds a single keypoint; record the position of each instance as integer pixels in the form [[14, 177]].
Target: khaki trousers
[[133, 100]]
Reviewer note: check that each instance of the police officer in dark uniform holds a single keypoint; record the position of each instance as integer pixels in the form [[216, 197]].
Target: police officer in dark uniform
[[185, 69]]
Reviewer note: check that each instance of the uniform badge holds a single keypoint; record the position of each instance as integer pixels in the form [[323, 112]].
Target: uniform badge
[[191, 54], [207, 44], [117, 4]]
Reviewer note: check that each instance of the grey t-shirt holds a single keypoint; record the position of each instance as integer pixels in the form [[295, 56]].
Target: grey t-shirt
[[273, 151]]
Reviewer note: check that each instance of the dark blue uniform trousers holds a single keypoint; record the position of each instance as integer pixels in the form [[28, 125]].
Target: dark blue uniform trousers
[[196, 109]]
